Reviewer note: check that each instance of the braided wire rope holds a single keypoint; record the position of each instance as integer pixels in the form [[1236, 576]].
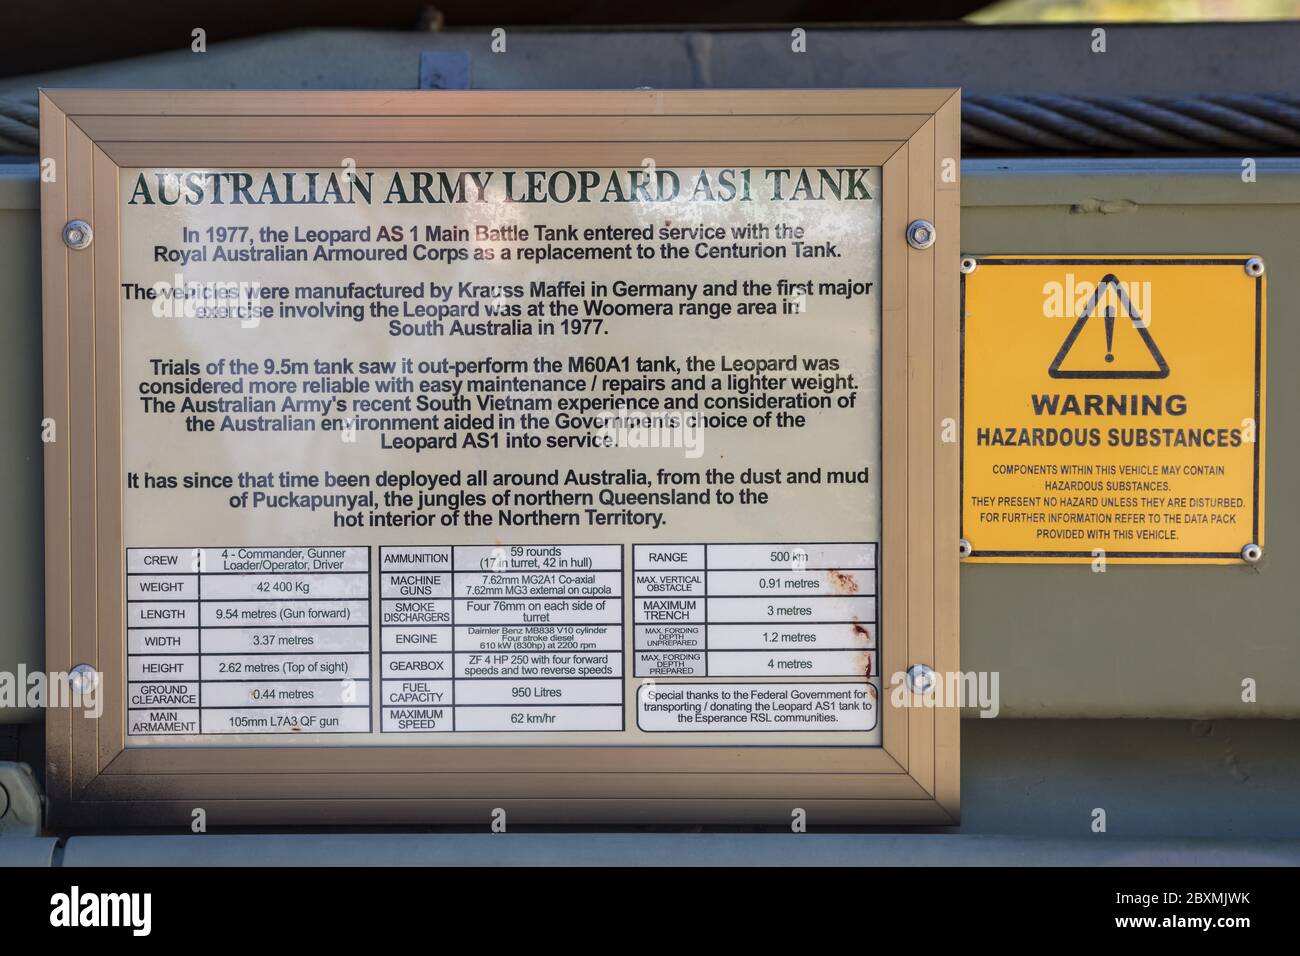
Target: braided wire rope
[[1131, 124], [1201, 124]]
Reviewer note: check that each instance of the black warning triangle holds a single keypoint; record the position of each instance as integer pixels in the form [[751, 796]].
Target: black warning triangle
[[1139, 325]]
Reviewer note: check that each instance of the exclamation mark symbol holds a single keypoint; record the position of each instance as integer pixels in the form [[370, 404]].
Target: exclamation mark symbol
[[1110, 333]]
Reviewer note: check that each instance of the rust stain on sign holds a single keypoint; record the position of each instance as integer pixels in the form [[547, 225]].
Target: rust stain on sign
[[844, 582], [862, 630]]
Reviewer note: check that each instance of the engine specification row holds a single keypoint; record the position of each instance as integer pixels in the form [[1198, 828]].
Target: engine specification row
[[493, 638]]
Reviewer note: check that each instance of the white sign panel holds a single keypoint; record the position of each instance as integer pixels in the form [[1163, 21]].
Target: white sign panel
[[502, 456]]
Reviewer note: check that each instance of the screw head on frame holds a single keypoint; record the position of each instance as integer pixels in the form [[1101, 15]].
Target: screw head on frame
[[920, 234], [77, 234], [920, 678], [83, 678]]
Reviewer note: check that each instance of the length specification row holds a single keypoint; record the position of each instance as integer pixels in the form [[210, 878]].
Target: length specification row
[[509, 638], [755, 610]]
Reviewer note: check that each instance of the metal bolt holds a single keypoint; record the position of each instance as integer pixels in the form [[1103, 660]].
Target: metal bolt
[[963, 548], [77, 234], [920, 678], [1251, 553], [920, 234], [968, 264], [83, 678], [1255, 267]]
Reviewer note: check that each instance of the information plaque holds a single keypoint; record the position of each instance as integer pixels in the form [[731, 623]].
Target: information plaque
[[466, 457]]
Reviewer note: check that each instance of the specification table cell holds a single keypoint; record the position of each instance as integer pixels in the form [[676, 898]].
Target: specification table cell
[[244, 640], [509, 638], [754, 610]]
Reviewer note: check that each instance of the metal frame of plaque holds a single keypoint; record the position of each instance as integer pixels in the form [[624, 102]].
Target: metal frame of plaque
[[95, 779]]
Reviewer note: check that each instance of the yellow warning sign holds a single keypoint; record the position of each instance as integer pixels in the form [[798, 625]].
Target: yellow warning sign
[[1113, 408]]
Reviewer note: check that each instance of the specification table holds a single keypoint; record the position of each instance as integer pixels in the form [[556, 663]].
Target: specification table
[[510, 638], [478, 639], [754, 610], [245, 640]]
